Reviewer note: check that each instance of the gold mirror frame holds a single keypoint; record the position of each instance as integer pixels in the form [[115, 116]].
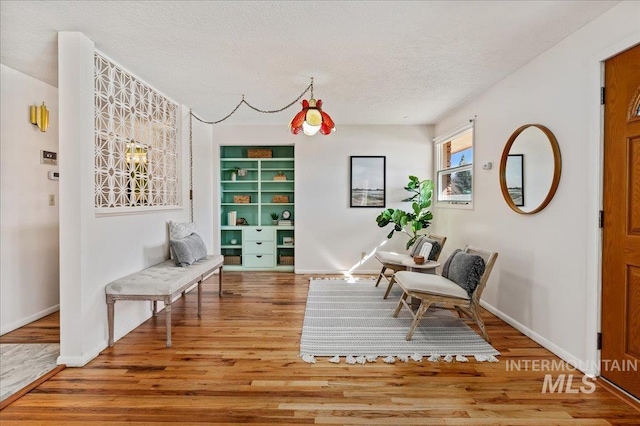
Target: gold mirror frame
[[557, 168]]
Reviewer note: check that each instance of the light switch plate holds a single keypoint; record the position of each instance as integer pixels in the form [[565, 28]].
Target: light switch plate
[[49, 157]]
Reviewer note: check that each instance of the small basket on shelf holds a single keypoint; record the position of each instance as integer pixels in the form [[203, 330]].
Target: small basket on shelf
[[233, 260], [280, 199], [280, 176], [259, 153], [242, 199], [285, 260]]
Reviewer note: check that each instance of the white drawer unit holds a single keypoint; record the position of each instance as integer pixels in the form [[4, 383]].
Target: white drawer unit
[[258, 247], [258, 233], [258, 261]]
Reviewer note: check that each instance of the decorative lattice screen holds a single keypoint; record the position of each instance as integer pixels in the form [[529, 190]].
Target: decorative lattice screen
[[136, 146]]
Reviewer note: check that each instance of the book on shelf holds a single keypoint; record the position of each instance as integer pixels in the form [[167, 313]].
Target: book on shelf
[[285, 222]]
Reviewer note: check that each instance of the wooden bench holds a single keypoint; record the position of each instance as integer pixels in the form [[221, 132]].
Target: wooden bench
[[162, 282]]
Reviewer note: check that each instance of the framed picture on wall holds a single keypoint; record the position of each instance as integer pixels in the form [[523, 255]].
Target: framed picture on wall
[[368, 181], [515, 178]]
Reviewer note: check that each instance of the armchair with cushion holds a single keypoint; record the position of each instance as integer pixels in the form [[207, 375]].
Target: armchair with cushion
[[464, 277], [393, 261]]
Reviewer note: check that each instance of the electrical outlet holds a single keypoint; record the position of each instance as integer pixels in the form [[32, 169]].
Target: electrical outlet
[[363, 255], [52, 199]]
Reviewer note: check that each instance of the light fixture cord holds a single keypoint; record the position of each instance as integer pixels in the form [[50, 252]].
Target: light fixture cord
[[191, 164], [272, 111]]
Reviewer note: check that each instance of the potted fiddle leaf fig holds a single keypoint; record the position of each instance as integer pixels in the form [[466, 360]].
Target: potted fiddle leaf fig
[[416, 220]]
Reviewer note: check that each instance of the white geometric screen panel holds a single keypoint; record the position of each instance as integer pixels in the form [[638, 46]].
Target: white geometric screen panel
[[136, 146]]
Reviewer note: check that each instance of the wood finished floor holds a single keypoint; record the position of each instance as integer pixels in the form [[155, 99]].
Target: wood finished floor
[[239, 364], [45, 330]]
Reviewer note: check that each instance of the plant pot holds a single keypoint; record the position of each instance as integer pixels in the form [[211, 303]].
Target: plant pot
[[275, 221], [233, 176]]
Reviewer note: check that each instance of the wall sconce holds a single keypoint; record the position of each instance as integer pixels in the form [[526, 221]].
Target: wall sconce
[[40, 116]]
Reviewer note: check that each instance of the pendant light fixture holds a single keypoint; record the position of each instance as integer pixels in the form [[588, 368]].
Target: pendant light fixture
[[312, 119]]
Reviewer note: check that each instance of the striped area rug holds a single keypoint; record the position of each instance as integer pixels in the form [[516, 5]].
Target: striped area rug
[[352, 319]]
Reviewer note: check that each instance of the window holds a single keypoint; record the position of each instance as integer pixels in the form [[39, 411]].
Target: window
[[454, 165], [136, 143]]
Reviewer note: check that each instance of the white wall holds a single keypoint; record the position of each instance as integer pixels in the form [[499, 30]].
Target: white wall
[[330, 235], [540, 281], [96, 250], [29, 276], [203, 178]]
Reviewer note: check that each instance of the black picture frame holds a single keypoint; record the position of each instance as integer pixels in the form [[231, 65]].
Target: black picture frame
[[368, 181], [514, 177]]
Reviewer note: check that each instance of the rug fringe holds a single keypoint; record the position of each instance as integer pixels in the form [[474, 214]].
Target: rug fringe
[[343, 278], [363, 359], [309, 359]]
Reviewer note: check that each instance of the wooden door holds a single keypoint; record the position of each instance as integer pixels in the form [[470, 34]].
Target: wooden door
[[621, 233]]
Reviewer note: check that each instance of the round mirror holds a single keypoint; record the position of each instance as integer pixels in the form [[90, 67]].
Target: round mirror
[[530, 169]]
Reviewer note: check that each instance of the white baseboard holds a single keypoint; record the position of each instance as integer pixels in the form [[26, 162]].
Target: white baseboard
[[580, 364], [120, 332], [81, 361], [27, 320]]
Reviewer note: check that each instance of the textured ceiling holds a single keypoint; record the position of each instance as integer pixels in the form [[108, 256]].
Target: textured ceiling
[[373, 62]]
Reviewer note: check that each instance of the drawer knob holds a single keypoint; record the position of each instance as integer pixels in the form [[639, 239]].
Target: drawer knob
[[259, 256], [259, 243], [258, 230]]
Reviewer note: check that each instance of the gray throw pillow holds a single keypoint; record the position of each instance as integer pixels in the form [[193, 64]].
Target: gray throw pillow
[[197, 246], [179, 230], [435, 248], [464, 269], [416, 246], [182, 252]]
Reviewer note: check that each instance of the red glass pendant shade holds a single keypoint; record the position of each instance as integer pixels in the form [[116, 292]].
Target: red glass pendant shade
[[312, 119]]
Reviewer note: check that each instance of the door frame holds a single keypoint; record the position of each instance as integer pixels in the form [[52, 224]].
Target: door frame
[[595, 166]]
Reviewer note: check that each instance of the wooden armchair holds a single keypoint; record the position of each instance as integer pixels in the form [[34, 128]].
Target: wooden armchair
[[430, 289], [393, 261]]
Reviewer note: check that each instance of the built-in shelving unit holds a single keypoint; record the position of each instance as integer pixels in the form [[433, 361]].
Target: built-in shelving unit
[[261, 244]]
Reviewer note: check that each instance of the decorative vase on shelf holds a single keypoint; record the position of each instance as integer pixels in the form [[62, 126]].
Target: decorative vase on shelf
[[233, 175], [231, 218]]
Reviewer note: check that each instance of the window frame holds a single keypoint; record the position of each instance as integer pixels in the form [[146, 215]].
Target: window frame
[[438, 142]]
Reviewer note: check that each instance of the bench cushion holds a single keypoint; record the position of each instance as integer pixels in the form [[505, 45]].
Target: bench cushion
[[429, 283], [391, 257], [162, 279]]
